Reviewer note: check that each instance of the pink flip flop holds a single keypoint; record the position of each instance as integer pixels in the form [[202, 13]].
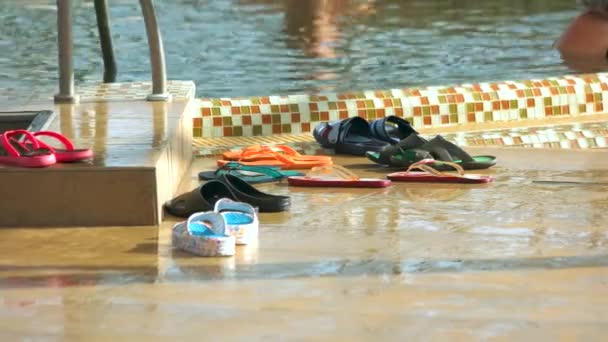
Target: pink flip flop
[[336, 176], [432, 175], [69, 153], [12, 152]]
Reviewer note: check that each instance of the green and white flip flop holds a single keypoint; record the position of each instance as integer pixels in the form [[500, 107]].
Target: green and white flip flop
[[249, 173]]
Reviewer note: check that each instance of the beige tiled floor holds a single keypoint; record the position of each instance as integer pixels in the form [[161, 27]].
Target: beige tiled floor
[[511, 260]]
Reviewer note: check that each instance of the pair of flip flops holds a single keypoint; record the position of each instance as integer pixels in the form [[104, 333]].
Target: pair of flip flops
[[281, 156], [250, 174], [25, 149], [217, 232], [430, 174], [414, 148], [336, 176], [355, 136], [204, 197]]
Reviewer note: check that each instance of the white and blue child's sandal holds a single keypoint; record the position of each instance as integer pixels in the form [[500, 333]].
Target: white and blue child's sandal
[[241, 220], [204, 234]]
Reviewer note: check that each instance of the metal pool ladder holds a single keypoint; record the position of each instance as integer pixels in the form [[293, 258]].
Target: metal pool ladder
[[64, 38]]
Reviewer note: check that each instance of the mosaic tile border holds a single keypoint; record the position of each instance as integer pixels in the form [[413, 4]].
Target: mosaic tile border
[[425, 107]]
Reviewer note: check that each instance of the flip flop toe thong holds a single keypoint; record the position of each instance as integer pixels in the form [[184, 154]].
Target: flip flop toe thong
[[69, 153], [14, 153], [444, 150], [432, 175], [336, 176], [250, 174]]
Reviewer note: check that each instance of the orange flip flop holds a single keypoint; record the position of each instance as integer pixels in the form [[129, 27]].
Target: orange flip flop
[[268, 157], [262, 149]]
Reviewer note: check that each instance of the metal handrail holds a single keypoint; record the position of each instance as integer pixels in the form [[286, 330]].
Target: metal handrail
[[105, 40], [64, 42], [65, 47], [157, 53]]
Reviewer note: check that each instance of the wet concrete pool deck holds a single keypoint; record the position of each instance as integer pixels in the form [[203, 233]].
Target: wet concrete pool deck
[[513, 259]]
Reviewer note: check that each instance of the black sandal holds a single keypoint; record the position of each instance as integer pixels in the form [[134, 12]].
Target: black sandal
[[202, 198]]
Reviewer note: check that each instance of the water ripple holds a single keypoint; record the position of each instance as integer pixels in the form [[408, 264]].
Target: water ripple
[[250, 47]]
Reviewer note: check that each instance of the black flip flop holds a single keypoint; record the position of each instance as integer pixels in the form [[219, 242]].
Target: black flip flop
[[442, 150], [245, 192], [412, 142], [391, 129], [202, 198]]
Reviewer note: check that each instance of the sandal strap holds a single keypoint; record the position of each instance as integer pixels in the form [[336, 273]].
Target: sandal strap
[[404, 128], [267, 152], [424, 166], [337, 170], [8, 138], [320, 134], [355, 125], [216, 221], [230, 205], [326, 133], [250, 152], [288, 150], [69, 146], [445, 150], [274, 148], [236, 166]]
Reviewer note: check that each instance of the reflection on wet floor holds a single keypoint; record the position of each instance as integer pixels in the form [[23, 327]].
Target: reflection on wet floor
[[511, 259], [574, 136]]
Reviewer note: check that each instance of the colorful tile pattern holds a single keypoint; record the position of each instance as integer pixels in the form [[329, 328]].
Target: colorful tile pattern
[[424, 107]]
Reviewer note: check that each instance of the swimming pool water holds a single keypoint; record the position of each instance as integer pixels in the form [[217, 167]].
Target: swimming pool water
[[262, 47]]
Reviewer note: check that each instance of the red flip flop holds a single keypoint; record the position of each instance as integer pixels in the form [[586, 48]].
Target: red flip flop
[[336, 176], [12, 153], [69, 153], [432, 175]]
